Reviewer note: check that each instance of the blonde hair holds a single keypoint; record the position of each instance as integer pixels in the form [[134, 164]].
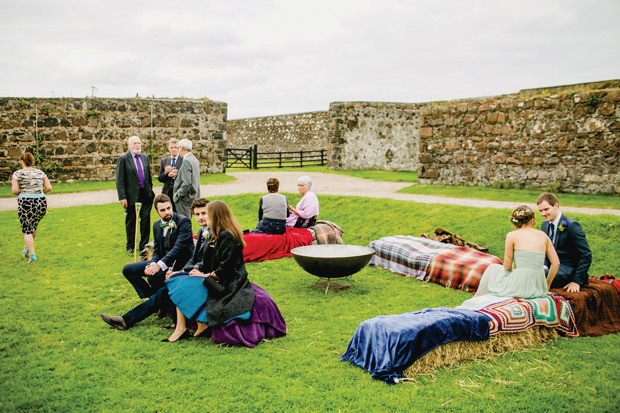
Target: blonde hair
[[522, 215], [221, 218]]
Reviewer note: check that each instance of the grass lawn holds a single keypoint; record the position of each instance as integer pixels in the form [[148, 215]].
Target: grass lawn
[[56, 354], [393, 176], [513, 194], [84, 186]]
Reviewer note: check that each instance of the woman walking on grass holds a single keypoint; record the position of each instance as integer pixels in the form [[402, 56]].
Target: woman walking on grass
[[30, 185]]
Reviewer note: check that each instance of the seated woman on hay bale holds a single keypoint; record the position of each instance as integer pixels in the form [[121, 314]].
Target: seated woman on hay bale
[[307, 209], [273, 210], [217, 293]]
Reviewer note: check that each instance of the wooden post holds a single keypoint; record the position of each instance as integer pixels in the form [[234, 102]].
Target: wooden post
[[135, 239]]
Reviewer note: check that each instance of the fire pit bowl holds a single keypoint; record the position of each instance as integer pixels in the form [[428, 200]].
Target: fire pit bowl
[[333, 260]]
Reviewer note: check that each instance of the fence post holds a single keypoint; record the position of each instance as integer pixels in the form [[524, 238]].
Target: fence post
[[254, 157], [322, 157], [280, 159], [301, 158]]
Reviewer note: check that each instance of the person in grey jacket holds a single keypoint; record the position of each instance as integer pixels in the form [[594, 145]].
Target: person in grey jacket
[[187, 183]]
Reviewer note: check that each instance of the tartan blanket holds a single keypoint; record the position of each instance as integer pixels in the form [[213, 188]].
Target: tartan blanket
[[406, 255], [460, 268], [518, 314], [326, 232]]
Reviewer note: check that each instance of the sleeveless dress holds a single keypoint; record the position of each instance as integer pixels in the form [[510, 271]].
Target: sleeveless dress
[[527, 280]]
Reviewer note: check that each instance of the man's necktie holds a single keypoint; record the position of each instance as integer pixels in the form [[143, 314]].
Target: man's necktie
[[140, 171], [551, 228], [173, 161]]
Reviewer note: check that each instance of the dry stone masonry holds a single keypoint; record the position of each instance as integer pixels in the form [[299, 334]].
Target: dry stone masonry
[[294, 132], [567, 142], [81, 139]]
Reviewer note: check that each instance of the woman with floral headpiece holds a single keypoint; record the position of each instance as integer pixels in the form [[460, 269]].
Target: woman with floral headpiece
[[522, 274]]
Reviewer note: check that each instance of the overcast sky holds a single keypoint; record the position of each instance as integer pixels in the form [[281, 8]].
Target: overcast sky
[[268, 57]]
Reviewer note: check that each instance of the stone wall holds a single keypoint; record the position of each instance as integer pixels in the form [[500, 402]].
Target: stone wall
[[373, 135], [565, 142], [81, 139], [295, 132]]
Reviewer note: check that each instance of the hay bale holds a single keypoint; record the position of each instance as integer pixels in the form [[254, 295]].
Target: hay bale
[[455, 352]]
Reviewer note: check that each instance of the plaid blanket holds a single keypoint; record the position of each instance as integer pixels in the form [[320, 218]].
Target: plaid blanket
[[406, 255], [516, 314], [460, 268], [326, 232]]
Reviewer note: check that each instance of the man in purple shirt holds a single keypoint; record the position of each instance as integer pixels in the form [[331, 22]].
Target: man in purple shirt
[[133, 184]]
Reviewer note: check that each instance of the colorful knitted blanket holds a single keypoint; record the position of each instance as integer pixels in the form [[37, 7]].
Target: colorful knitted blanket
[[518, 314]]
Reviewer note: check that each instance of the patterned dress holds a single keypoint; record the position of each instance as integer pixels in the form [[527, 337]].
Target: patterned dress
[[31, 202]]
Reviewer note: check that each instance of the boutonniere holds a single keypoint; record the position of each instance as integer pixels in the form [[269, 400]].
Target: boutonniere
[[172, 225], [206, 234], [563, 225]]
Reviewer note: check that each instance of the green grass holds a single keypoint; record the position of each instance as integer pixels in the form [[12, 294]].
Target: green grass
[[57, 355], [513, 194], [84, 186]]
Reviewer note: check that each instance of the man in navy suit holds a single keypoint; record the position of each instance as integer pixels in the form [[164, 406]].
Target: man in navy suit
[[160, 300], [169, 168], [173, 247], [133, 184], [570, 243]]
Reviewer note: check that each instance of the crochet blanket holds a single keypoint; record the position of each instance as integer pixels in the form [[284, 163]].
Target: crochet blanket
[[261, 247], [518, 314], [425, 259], [386, 345]]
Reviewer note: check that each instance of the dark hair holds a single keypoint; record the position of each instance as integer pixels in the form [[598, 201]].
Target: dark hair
[[549, 197], [27, 159], [272, 185], [522, 215], [199, 203], [160, 199]]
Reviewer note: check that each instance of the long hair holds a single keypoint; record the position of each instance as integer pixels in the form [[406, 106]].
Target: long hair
[[221, 218]]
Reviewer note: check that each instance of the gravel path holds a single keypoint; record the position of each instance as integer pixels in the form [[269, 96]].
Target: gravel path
[[323, 184]]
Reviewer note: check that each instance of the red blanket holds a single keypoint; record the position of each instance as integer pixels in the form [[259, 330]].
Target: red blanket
[[262, 247]]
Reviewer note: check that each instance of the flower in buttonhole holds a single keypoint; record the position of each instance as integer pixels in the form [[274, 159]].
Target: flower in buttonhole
[[563, 225]]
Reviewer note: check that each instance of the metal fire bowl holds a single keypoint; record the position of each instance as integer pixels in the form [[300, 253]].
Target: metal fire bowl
[[332, 261]]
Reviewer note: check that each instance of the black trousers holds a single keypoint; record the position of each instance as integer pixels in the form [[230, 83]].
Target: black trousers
[[145, 221], [158, 301]]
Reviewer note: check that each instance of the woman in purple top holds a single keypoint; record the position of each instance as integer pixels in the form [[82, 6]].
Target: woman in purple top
[[30, 185], [305, 213]]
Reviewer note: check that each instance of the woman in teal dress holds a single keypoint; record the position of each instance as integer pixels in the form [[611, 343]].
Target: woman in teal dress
[[522, 274], [217, 290]]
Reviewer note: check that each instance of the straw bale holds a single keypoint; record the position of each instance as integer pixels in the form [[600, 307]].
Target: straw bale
[[455, 352]]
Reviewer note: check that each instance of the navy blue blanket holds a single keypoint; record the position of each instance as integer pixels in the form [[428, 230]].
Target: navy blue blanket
[[386, 345]]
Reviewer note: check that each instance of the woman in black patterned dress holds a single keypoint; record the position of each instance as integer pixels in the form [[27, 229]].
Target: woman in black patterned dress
[[30, 185]]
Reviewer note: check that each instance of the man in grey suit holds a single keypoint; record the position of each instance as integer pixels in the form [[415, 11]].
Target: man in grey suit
[[133, 184], [187, 183], [169, 168]]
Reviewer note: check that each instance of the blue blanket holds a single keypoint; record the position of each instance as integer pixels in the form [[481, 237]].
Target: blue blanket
[[386, 345]]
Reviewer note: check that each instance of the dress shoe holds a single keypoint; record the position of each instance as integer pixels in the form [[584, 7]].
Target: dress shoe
[[130, 250], [184, 336], [115, 321]]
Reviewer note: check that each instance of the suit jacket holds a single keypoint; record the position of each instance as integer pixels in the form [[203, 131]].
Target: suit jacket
[[178, 244], [187, 184], [198, 250], [165, 179], [127, 181], [573, 251]]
